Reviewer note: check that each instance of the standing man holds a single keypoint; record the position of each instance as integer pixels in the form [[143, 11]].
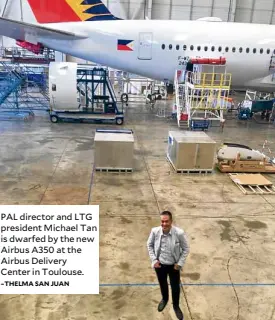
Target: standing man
[[168, 248]]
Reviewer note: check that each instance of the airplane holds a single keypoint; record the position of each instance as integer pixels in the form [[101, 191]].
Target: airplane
[[155, 49]]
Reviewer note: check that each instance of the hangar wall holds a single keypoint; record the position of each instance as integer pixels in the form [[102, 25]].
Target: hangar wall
[[252, 11]]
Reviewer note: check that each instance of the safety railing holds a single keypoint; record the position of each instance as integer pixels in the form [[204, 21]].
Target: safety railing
[[177, 95], [209, 80], [17, 54]]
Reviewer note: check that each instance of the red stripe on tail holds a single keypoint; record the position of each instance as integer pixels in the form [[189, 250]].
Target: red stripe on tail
[[53, 11]]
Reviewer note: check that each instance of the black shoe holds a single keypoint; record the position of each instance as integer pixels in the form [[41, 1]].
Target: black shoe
[[178, 313], [162, 305]]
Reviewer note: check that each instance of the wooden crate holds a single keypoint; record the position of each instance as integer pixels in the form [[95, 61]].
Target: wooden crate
[[191, 151], [114, 152], [243, 166]]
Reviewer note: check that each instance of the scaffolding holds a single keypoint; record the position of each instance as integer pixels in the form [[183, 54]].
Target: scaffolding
[[138, 89], [258, 95], [24, 56], [23, 81], [179, 111], [202, 95], [96, 93], [23, 87], [257, 102], [94, 99]]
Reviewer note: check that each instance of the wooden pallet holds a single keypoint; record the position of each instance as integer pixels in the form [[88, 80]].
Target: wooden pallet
[[114, 170], [188, 171], [194, 171], [252, 183]]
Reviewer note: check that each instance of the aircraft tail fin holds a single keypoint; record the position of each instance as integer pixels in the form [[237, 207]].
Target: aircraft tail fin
[[54, 11]]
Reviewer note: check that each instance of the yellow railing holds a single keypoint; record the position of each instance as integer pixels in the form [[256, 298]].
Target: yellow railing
[[210, 80]]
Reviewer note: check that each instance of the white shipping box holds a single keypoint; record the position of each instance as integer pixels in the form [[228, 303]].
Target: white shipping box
[[114, 150], [191, 150]]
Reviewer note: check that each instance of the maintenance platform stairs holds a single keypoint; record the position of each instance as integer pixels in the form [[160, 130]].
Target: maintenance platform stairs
[[95, 99], [10, 82], [23, 86], [201, 95], [179, 103], [100, 90]]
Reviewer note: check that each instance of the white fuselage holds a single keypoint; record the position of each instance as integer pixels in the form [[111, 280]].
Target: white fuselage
[[185, 38]]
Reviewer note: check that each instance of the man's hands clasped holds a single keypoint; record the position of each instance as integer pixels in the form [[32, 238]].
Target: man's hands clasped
[[158, 265]]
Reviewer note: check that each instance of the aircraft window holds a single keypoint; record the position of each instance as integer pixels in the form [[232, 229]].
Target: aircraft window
[[247, 50], [199, 47], [226, 49], [205, 48], [241, 50], [170, 46], [177, 47], [213, 48], [220, 49], [254, 50], [261, 51], [233, 49], [268, 51], [163, 46], [184, 47], [274, 51], [192, 47]]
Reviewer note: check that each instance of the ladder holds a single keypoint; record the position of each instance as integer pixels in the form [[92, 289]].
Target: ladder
[[182, 117], [207, 93]]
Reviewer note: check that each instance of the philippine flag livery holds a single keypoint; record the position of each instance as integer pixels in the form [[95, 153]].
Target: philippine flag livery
[[125, 45]]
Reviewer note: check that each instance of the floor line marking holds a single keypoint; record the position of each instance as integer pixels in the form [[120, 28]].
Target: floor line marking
[[187, 284]]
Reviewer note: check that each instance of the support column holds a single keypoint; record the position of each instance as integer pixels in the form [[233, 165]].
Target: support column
[[272, 13], [191, 9], [252, 11]]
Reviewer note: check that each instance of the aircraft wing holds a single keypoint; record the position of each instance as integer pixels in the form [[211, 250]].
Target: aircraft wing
[[30, 32]]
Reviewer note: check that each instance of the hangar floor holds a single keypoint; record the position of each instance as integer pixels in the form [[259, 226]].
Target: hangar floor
[[231, 235]]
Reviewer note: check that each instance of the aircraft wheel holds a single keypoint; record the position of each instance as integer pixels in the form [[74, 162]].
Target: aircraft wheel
[[54, 119]]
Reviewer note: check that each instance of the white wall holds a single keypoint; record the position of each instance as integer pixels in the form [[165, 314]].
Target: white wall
[[193, 9], [255, 11]]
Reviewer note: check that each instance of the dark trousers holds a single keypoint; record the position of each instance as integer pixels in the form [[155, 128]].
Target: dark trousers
[[174, 276]]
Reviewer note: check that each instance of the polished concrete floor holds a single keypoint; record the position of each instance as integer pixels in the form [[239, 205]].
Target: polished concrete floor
[[231, 235]]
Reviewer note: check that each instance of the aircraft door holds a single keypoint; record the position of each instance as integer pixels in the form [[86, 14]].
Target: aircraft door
[[145, 45]]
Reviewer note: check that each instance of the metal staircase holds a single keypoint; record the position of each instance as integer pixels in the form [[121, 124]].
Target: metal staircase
[[95, 86], [207, 93], [203, 94], [181, 114], [95, 99], [10, 84], [23, 86], [37, 77]]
